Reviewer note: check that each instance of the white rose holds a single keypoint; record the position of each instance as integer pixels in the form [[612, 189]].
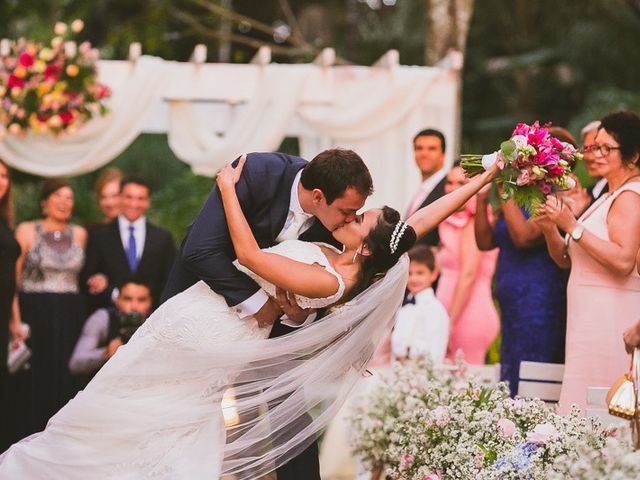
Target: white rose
[[519, 140]]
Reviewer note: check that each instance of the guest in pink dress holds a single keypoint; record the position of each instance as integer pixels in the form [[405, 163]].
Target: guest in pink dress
[[603, 294], [464, 287]]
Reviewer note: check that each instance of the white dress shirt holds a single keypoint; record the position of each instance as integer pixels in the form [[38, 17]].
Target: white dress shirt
[[599, 186], [424, 190], [256, 301], [421, 329], [139, 233]]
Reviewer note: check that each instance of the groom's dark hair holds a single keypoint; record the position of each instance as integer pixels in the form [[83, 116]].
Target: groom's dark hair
[[335, 170]]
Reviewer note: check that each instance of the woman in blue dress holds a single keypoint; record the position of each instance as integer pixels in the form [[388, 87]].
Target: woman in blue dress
[[530, 288]]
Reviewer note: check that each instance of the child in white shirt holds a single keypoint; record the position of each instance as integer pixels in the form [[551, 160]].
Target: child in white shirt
[[422, 323]]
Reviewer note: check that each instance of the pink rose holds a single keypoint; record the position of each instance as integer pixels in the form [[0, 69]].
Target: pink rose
[[542, 433], [506, 428], [406, 461], [546, 188], [523, 178]]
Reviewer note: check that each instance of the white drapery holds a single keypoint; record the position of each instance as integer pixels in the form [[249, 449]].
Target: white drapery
[[215, 112]]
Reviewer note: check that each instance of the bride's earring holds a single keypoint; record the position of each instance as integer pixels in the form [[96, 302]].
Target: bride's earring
[[355, 255]]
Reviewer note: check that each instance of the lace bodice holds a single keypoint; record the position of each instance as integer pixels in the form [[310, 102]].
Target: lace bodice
[[53, 263], [305, 252]]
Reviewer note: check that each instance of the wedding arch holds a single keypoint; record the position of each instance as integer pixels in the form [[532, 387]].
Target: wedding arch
[[213, 112]]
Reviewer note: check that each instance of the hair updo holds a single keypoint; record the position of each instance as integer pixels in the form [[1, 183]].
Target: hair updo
[[378, 243]]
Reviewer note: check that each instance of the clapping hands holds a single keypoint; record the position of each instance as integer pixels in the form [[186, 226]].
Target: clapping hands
[[556, 211]]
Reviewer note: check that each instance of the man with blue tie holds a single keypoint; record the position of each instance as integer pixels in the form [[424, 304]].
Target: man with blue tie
[[128, 245]]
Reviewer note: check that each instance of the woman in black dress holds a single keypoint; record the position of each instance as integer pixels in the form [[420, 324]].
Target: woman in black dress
[[9, 329], [50, 302]]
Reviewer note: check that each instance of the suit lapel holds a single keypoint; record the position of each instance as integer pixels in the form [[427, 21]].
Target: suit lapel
[[149, 238], [116, 240], [280, 206]]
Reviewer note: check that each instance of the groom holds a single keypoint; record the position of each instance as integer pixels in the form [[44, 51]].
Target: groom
[[283, 197]]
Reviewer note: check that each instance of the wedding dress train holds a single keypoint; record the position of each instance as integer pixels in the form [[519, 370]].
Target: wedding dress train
[[154, 409]]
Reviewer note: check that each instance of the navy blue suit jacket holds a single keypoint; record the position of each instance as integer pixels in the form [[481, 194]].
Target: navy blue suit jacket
[[207, 253]]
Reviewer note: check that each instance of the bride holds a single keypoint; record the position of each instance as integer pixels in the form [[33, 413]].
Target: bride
[[154, 410]]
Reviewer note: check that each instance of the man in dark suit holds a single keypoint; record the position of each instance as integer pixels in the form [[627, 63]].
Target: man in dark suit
[[429, 148], [126, 246], [283, 197]]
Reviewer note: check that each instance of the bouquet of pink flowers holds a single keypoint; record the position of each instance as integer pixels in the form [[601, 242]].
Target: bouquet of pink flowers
[[49, 88], [533, 163]]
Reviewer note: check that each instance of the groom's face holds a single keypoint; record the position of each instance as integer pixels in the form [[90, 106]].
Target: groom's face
[[341, 211]]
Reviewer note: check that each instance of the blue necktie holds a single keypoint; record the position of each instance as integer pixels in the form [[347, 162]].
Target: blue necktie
[[132, 254]]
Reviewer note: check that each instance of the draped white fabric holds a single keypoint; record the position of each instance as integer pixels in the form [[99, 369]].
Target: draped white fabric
[[103, 138], [214, 112]]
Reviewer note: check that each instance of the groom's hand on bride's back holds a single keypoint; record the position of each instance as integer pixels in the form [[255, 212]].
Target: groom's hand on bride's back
[[289, 305], [268, 314]]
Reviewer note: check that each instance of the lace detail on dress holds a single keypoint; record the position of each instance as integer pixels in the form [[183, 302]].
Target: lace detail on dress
[[53, 263], [304, 252]]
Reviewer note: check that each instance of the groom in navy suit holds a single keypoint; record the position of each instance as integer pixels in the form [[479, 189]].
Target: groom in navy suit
[[283, 197]]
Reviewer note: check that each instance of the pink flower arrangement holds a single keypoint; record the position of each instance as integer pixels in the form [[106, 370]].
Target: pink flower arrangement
[[534, 164], [50, 88]]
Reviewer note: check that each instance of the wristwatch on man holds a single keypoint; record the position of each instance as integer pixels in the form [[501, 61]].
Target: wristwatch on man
[[576, 233]]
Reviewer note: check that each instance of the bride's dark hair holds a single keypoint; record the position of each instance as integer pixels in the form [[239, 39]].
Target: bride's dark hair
[[381, 259]]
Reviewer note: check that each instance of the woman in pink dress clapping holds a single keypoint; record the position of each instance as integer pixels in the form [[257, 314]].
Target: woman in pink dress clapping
[[603, 294]]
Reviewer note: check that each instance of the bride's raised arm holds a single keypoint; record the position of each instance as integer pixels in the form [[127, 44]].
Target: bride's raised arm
[[427, 218], [311, 281]]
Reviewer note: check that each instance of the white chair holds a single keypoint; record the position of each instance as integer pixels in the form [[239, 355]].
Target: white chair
[[485, 374], [597, 407], [541, 380], [488, 375]]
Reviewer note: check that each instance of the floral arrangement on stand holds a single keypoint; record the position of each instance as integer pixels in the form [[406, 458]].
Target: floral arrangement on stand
[[435, 424], [49, 88], [534, 164]]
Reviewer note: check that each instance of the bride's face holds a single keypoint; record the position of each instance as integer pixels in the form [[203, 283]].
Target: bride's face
[[352, 234]]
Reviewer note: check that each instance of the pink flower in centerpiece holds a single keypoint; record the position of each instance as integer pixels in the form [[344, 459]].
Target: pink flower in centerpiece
[[542, 433], [52, 72], [14, 81], [433, 476], [102, 91], [506, 428], [406, 461], [67, 117], [26, 59]]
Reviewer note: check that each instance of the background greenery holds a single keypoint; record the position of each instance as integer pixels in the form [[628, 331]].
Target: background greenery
[[563, 62]]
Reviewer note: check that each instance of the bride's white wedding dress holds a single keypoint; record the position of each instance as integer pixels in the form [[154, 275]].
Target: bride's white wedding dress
[[153, 411]]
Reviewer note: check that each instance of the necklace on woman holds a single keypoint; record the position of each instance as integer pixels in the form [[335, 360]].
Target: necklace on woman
[[623, 183]]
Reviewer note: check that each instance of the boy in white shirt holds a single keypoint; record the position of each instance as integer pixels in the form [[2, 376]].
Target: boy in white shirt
[[422, 323]]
